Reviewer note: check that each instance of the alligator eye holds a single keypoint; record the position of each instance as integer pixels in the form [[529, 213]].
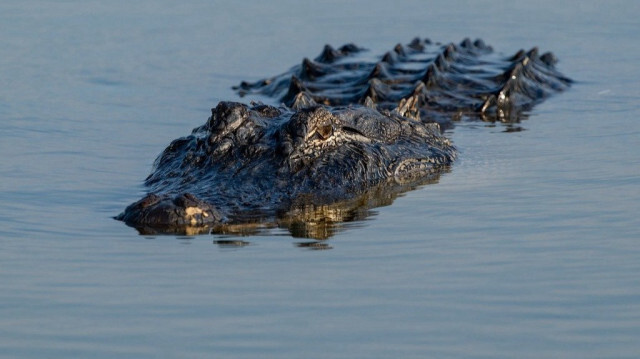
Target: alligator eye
[[325, 131]]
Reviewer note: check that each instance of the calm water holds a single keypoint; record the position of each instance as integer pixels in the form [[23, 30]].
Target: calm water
[[529, 248]]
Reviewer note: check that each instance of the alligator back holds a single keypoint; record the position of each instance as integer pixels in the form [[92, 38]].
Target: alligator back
[[441, 82]]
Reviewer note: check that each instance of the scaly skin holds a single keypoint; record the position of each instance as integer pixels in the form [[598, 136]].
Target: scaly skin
[[352, 134], [255, 161], [443, 81]]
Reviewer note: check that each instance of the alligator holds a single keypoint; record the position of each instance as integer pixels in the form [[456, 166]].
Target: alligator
[[350, 134]]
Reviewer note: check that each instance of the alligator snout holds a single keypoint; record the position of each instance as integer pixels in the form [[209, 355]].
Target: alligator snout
[[165, 210]]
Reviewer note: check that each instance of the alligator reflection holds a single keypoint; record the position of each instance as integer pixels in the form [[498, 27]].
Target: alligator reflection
[[304, 220], [231, 243]]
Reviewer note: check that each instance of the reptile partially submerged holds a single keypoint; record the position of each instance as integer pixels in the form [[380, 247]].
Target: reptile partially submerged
[[351, 134]]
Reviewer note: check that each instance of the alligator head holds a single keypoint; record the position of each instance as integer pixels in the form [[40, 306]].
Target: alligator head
[[251, 162]]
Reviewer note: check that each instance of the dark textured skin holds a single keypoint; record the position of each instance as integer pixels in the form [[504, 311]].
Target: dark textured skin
[[444, 82], [251, 162], [350, 135]]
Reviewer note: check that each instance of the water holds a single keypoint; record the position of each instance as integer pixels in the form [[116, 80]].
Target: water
[[527, 249]]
